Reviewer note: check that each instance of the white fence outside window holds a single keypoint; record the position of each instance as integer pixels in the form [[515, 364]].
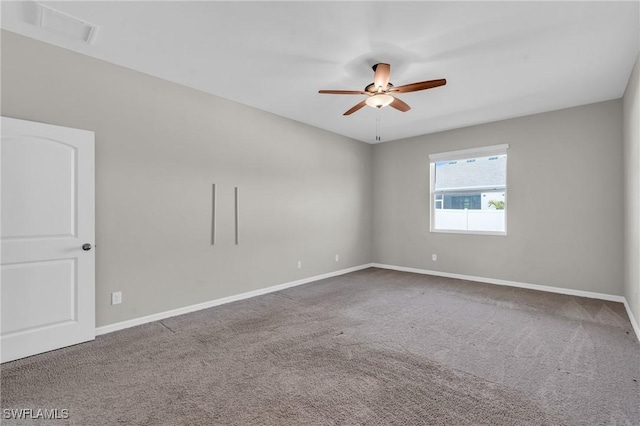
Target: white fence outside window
[[469, 220]]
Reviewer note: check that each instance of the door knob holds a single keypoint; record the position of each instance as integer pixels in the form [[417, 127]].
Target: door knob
[[86, 247]]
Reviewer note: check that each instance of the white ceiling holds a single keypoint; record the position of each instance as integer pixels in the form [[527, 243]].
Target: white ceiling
[[500, 59]]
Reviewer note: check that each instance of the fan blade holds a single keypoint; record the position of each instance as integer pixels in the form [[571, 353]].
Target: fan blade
[[399, 105], [355, 108], [423, 85], [381, 78], [342, 92]]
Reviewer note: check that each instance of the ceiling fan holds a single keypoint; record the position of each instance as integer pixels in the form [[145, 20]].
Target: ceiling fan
[[380, 92]]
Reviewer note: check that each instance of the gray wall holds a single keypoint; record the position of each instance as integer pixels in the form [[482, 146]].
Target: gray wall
[[305, 193], [632, 191], [564, 202]]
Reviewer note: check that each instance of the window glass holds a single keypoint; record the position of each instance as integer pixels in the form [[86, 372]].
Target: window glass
[[469, 194]]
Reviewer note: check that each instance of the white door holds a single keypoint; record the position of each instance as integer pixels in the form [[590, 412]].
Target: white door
[[47, 282]]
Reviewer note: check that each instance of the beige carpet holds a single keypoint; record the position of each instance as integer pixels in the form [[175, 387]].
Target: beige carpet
[[371, 347]]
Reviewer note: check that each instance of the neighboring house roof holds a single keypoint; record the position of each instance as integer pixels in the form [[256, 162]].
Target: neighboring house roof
[[483, 172]]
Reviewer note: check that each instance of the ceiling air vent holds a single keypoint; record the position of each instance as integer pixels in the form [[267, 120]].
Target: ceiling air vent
[[66, 24]]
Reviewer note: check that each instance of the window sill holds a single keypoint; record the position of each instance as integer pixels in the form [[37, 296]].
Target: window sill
[[458, 231]]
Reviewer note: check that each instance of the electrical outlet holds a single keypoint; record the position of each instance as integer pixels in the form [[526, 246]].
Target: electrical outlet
[[299, 264], [434, 257], [116, 298], [337, 257]]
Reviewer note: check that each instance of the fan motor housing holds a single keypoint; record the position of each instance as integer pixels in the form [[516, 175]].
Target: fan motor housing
[[371, 88]]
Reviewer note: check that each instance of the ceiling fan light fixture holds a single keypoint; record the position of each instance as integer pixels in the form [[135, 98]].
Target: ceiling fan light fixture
[[379, 92], [379, 101]]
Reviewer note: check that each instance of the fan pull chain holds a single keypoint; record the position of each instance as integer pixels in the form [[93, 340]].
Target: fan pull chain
[[378, 138]]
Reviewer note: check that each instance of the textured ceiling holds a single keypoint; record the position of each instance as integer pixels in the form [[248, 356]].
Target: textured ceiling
[[500, 59]]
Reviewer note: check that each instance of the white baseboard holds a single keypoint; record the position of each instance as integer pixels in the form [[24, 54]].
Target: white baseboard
[[559, 290], [192, 308], [634, 323], [568, 291]]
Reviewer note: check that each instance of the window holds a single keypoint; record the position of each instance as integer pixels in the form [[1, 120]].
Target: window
[[468, 191]]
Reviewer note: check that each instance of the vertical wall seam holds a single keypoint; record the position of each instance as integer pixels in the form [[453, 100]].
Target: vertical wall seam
[[213, 214]]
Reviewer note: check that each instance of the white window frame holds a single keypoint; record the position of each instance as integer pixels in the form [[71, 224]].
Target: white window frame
[[464, 154]]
